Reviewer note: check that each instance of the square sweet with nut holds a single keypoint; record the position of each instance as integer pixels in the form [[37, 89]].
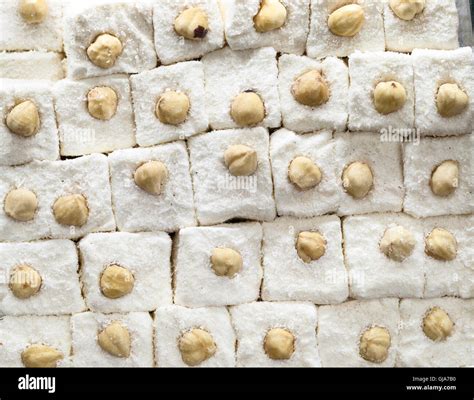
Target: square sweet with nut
[[123, 272], [276, 334], [112, 340], [384, 256], [370, 175], [55, 199], [28, 128], [444, 85], [35, 341], [381, 94], [304, 173], [31, 65], [218, 265], [313, 94], [437, 176], [187, 30], [152, 189], [303, 260], [232, 175], [194, 337], [242, 88], [31, 25], [359, 333], [420, 24], [169, 103], [104, 38], [41, 278], [448, 259], [282, 24], [338, 28], [94, 115], [436, 333]]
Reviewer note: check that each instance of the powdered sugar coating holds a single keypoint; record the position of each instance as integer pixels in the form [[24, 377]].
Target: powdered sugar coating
[[252, 321], [31, 65], [145, 255]]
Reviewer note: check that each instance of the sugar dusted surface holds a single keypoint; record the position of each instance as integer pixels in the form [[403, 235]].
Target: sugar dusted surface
[[31, 65]]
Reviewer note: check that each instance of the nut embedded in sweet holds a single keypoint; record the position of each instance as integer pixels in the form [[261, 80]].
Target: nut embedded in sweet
[[271, 15], [346, 21], [115, 340], [279, 344], [25, 281], [172, 108], [71, 210], [397, 243], [116, 281], [437, 325], [310, 246], [41, 356], [33, 11], [310, 89], [241, 160], [24, 119], [441, 245], [304, 173], [226, 262], [407, 9], [389, 97], [21, 204], [102, 102], [105, 50], [375, 344], [151, 177], [196, 346], [445, 178], [357, 179], [247, 109], [451, 100], [192, 24]]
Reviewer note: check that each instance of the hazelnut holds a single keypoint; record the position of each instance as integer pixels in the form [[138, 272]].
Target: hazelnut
[[310, 246], [102, 102], [172, 108], [357, 179], [192, 24], [389, 97], [24, 119], [451, 100], [346, 21], [151, 177], [247, 109], [279, 344], [116, 281], [196, 346], [407, 9], [115, 340], [25, 281], [40, 356], [445, 178], [310, 89], [304, 173], [374, 344], [397, 243], [437, 324], [272, 15], [33, 11], [226, 262], [105, 50], [441, 245], [71, 210], [241, 160], [21, 204]]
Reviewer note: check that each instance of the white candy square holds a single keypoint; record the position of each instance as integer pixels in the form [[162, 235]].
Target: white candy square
[[172, 47], [433, 68], [137, 210], [384, 160], [253, 321], [241, 33], [49, 180], [420, 160], [196, 283], [80, 132], [285, 146], [128, 21], [88, 353], [17, 34], [341, 326], [366, 71], [330, 115], [288, 277], [149, 86], [171, 322], [43, 145], [145, 255], [31, 65], [56, 263], [229, 73], [18, 333], [418, 350], [373, 274], [436, 27], [221, 196], [322, 42], [455, 277]]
